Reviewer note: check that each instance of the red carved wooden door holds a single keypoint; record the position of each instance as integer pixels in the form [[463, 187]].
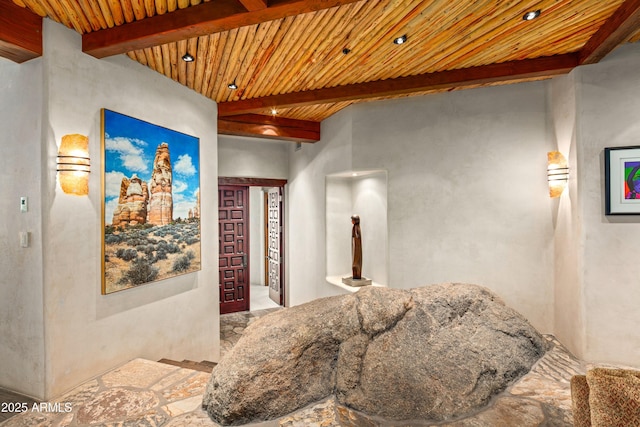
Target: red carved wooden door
[[233, 226]]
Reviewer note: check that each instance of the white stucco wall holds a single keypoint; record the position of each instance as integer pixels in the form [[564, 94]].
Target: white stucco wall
[[21, 289], [87, 333], [306, 241], [339, 208], [256, 235], [467, 191], [252, 157], [569, 242], [608, 103]]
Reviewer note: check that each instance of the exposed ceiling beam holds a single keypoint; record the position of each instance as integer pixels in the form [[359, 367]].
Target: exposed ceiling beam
[[619, 27], [256, 125], [206, 18], [506, 71], [20, 32], [254, 4]]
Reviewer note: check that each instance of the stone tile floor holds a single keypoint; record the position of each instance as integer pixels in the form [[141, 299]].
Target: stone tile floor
[[146, 393]]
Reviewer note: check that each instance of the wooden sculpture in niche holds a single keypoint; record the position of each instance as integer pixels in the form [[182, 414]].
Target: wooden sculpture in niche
[[356, 248], [356, 278]]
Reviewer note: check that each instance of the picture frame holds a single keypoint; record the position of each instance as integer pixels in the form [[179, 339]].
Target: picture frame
[[622, 180], [150, 202]]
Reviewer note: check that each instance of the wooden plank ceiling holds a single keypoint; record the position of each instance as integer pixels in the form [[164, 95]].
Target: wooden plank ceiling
[[296, 62]]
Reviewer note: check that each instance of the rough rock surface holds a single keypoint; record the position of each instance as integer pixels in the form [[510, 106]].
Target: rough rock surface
[[437, 352], [160, 210], [132, 203]]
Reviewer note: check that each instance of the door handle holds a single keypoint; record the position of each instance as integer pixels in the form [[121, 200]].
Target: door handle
[[244, 260]]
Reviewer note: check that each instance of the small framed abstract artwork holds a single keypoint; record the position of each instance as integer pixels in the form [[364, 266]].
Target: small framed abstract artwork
[[151, 202], [622, 180]]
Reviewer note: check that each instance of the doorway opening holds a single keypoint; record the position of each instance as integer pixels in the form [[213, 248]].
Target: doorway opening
[[251, 243]]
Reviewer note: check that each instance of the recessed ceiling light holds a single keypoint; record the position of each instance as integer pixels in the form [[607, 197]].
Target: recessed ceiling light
[[530, 16], [274, 111], [232, 86], [187, 57], [400, 40]]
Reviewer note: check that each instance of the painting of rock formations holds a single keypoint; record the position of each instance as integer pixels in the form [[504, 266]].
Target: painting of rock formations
[[151, 208]]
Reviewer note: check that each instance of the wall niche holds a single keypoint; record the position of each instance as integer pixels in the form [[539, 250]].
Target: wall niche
[[362, 193]]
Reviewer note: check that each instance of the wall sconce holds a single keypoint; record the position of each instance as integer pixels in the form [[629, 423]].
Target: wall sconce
[[73, 164], [557, 173]]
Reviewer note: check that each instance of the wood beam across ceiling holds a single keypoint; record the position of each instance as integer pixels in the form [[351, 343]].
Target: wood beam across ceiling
[[206, 18], [502, 72], [251, 5], [619, 27], [256, 125], [20, 33]]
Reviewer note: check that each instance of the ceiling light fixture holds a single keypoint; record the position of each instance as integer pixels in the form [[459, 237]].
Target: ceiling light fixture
[[187, 57], [274, 111], [530, 16], [232, 86], [400, 40]]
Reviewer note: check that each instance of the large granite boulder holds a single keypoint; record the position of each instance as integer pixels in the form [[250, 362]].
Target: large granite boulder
[[435, 353]]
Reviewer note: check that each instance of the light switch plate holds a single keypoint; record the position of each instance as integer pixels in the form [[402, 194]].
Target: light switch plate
[[24, 205], [24, 239]]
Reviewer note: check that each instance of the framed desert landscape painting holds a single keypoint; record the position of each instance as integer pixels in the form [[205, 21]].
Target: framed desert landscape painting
[[151, 202]]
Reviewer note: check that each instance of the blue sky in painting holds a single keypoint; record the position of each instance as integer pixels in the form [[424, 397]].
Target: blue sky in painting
[[130, 148]]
